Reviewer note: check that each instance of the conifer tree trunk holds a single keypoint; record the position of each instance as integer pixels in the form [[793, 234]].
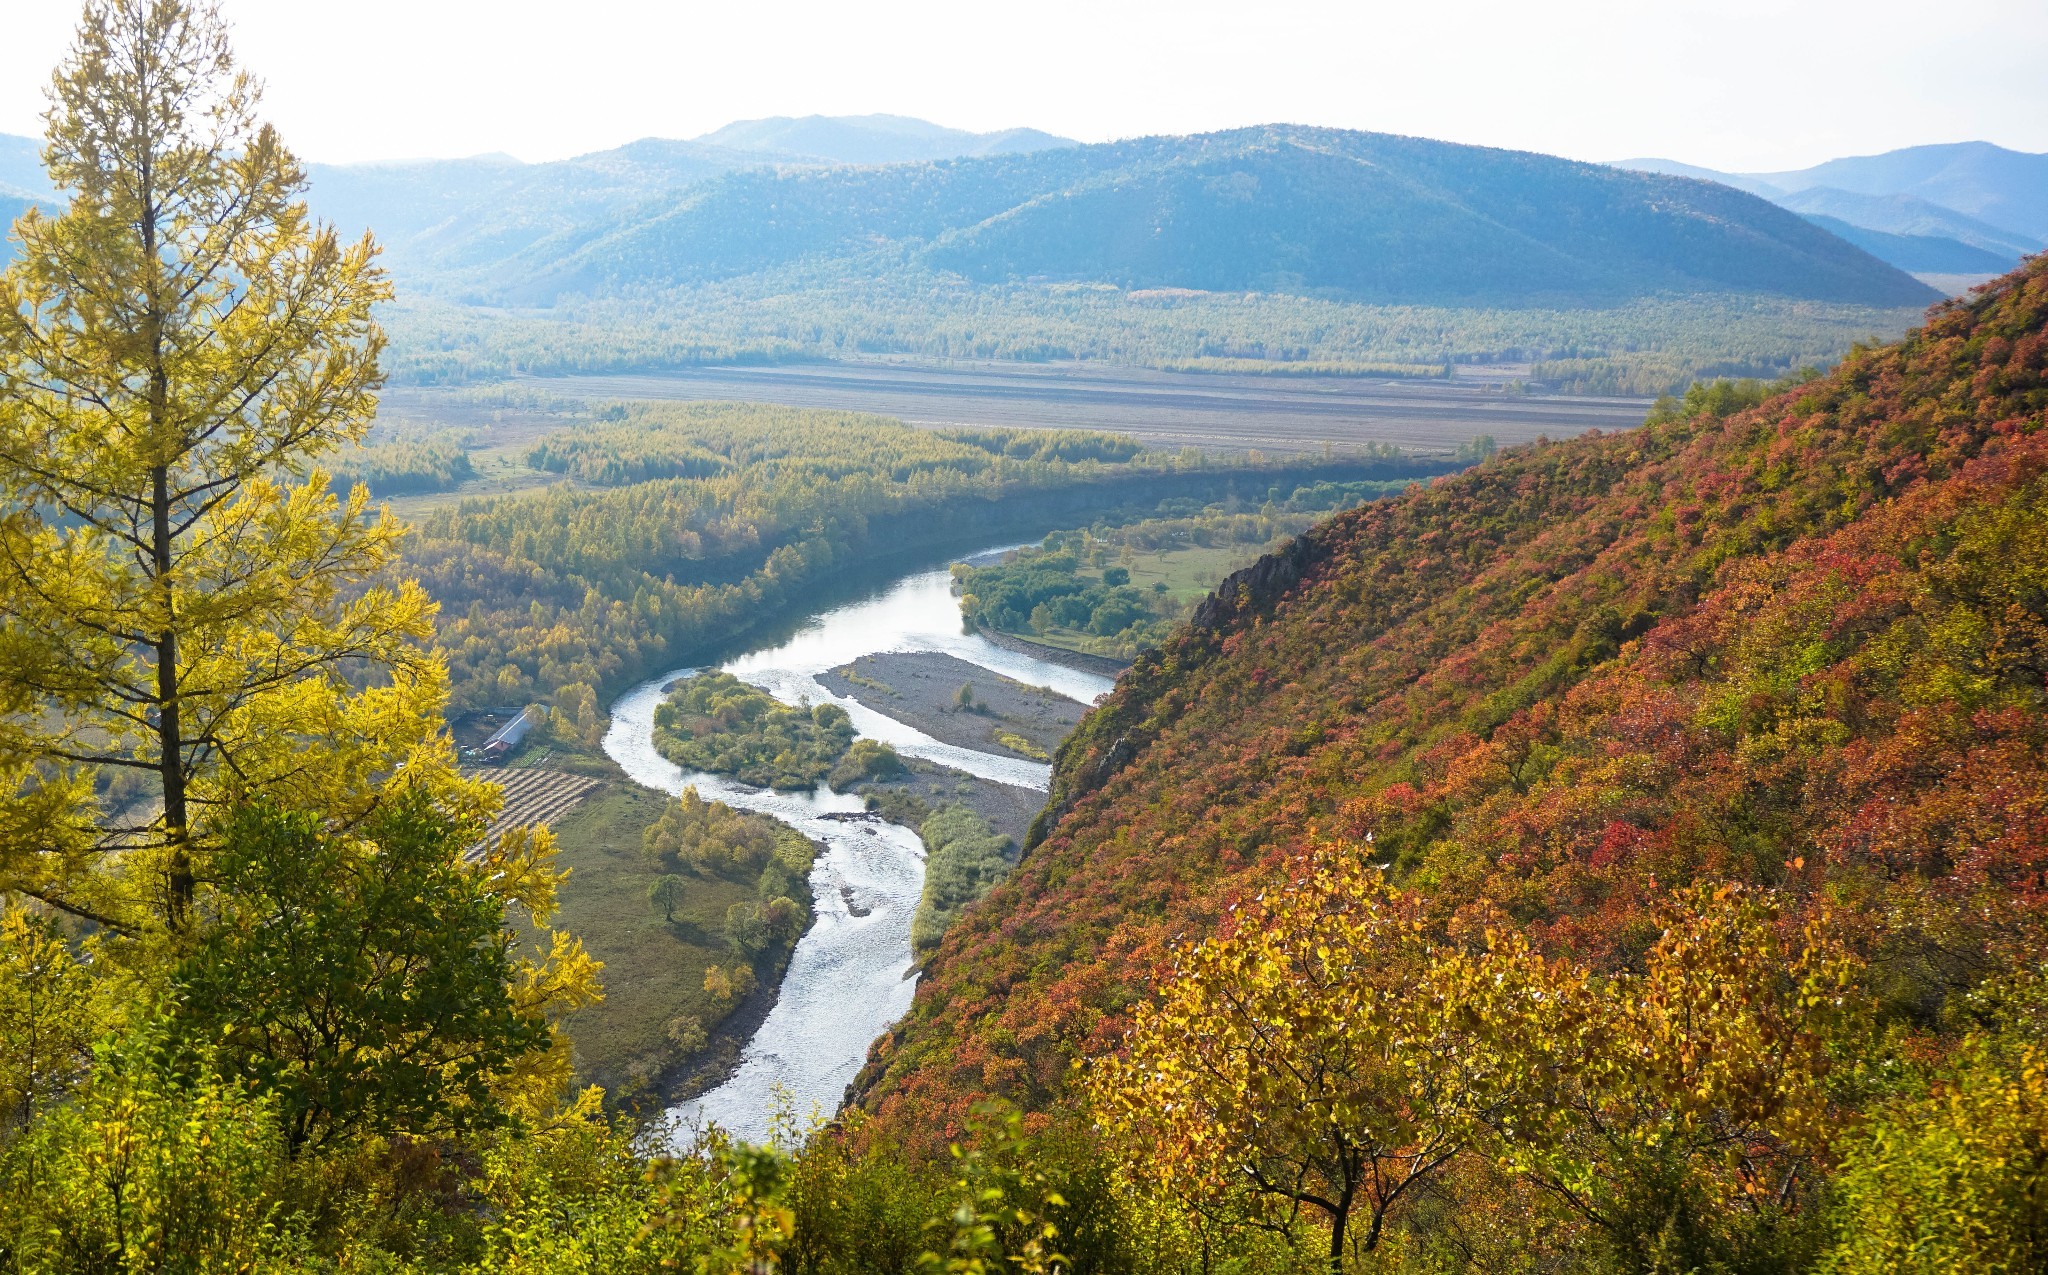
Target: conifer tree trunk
[[169, 734]]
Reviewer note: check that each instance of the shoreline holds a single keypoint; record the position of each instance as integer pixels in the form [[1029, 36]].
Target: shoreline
[[1101, 665]]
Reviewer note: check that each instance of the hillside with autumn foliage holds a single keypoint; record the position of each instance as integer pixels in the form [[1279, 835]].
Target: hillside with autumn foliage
[[1802, 647]]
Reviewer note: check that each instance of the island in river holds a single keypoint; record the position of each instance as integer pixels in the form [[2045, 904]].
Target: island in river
[[853, 972], [1000, 715]]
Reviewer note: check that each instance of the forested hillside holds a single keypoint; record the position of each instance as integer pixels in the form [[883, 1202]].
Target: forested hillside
[[1800, 646], [1280, 209]]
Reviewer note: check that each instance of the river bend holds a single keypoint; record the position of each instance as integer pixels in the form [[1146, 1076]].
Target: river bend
[[850, 975]]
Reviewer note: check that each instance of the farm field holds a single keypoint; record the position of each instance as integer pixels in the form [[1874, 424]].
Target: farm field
[[535, 796], [1230, 413]]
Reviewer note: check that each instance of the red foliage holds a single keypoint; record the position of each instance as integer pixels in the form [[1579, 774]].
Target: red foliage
[[1806, 645]]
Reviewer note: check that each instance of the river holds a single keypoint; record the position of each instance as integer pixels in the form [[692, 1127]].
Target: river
[[850, 975]]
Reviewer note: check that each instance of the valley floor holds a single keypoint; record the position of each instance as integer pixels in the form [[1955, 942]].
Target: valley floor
[[1230, 413]]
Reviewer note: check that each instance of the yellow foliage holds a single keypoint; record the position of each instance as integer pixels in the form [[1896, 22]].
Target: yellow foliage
[[1334, 1049], [183, 595]]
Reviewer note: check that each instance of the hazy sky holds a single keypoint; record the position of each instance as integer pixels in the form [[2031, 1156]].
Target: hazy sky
[[1732, 84]]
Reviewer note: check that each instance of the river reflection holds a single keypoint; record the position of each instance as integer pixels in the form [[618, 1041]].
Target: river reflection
[[849, 977]]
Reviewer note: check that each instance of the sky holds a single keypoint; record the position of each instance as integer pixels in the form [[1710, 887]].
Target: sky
[[1738, 85]]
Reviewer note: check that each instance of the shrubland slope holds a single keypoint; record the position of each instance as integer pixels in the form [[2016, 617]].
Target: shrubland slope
[[1803, 644]]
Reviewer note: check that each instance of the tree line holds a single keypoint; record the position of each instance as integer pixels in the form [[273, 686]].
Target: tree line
[[1649, 346]]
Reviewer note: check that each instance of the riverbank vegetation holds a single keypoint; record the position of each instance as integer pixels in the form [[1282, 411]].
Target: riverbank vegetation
[[1114, 591], [965, 858], [714, 722], [571, 594], [665, 891], [865, 761]]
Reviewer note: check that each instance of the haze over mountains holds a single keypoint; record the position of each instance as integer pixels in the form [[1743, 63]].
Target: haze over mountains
[[1974, 205], [1274, 209], [872, 139], [21, 168], [1278, 209]]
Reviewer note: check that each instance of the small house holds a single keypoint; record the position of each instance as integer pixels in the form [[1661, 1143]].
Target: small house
[[507, 738]]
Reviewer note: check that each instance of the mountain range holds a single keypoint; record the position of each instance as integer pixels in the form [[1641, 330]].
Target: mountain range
[[871, 139], [1973, 194], [461, 212], [1276, 209], [21, 167], [1279, 209]]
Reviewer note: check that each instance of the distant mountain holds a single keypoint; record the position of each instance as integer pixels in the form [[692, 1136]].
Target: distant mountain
[[1282, 209], [1277, 209], [872, 139], [21, 166], [456, 214], [2006, 188], [1918, 254], [12, 205], [1909, 215], [1673, 168], [1999, 195], [451, 214]]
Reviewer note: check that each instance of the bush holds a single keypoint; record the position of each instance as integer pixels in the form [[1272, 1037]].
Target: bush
[[865, 760], [686, 1032], [358, 978]]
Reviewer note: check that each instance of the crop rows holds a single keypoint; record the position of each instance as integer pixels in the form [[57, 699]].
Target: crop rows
[[534, 797]]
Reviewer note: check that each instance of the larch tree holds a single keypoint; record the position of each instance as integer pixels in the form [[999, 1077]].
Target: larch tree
[[192, 618]]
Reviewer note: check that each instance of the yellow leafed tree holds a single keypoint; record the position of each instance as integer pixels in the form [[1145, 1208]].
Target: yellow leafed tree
[[1285, 1063], [190, 614]]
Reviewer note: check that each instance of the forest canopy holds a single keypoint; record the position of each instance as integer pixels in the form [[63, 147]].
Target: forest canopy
[[574, 593], [1650, 346]]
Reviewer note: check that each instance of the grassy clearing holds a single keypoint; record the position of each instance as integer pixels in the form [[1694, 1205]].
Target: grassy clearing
[[1189, 574], [654, 970]]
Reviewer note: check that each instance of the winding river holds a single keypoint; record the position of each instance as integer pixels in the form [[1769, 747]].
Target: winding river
[[850, 975]]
